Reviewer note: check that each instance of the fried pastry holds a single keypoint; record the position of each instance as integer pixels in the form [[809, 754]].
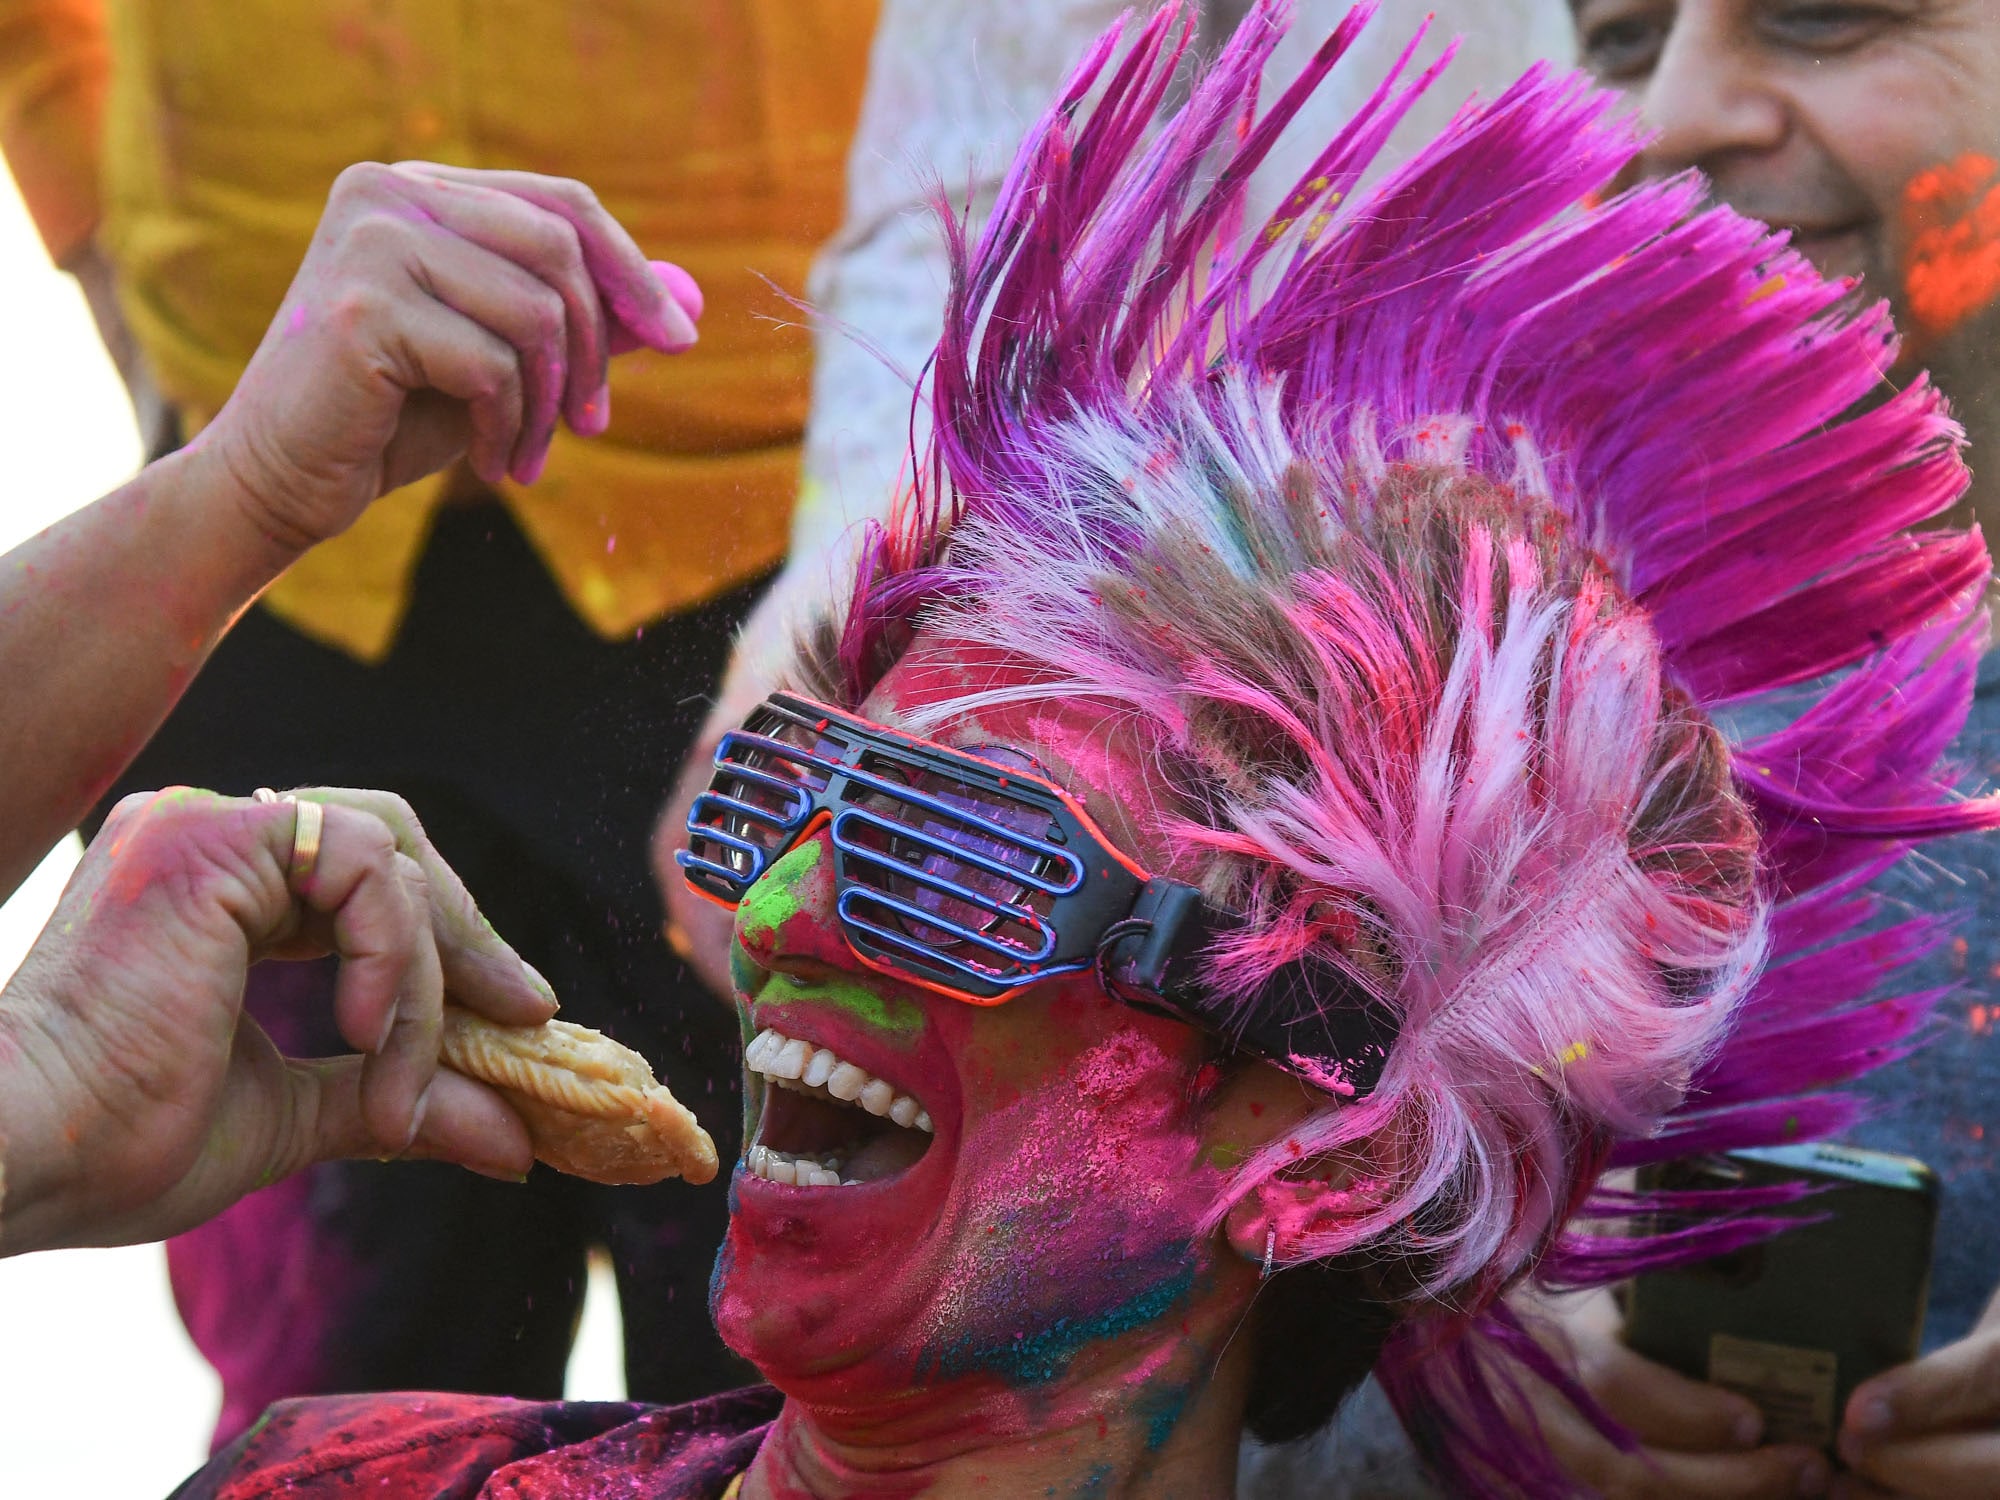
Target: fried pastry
[[592, 1107]]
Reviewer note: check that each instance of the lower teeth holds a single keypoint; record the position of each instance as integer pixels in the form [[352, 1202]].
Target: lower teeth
[[796, 1171]]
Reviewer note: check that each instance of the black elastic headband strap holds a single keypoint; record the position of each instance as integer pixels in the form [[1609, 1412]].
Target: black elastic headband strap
[[1311, 1017]]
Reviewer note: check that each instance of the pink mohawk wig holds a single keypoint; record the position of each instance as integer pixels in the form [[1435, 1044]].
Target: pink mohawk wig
[[1423, 527]]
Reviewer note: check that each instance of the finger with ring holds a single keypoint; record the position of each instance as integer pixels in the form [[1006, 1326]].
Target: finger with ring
[[306, 829]]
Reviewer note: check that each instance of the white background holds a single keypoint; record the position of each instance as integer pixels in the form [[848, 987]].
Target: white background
[[101, 1395]]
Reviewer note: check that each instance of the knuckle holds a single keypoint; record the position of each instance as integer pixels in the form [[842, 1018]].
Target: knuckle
[[395, 810], [355, 308], [415, 881], [132, 808], [493, 380], [506, 383], [558, 247], [378, 232], [546, 317], [409, 827], [497, 383], [578, 196], [376, 844], [362, 179]]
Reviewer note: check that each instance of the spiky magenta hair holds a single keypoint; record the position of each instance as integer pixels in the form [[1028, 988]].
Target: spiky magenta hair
[[1423, 527]]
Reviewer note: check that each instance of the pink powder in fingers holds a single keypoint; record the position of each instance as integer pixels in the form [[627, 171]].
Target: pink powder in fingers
[[680, 286]]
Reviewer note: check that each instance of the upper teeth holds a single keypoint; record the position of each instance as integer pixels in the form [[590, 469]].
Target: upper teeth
[[793, 1063]]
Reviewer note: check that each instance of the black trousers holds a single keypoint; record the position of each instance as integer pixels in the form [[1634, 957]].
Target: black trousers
[[537, 756]]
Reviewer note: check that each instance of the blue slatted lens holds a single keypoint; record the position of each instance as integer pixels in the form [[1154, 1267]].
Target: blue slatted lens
[[767, 779], [954, 869]]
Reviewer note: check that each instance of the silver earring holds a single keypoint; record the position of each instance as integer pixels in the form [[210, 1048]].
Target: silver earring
[[1270, 1250]]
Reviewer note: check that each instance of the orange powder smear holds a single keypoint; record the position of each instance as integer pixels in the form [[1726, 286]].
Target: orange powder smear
[[1770, 285], [1952, 214]]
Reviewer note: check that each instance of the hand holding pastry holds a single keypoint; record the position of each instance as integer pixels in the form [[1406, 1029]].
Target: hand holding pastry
[[136, 1100]]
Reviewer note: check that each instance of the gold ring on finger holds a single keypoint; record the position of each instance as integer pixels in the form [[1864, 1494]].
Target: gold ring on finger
[[306, 829]]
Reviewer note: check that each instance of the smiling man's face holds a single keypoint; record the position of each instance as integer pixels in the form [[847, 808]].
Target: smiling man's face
[[976, 1193], [1869, 129]]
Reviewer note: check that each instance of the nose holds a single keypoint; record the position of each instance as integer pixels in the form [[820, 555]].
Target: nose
[[1710, 102], [788, 916]]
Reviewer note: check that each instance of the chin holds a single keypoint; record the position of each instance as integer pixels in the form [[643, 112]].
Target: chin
[[837, 1201]]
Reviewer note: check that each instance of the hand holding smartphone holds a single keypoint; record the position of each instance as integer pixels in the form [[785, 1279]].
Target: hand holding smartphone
[[1796, 1322]]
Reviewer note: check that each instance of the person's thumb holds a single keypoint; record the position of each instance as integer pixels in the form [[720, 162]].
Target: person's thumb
[[461, 1121]]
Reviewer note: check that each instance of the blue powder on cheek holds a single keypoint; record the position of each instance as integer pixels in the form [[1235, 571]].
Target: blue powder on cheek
[[1163, 1414], [1096, 1482], [1034, 1358]]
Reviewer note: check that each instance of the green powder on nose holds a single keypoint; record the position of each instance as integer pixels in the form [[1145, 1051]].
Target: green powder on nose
[[777, 899], [773, 900]]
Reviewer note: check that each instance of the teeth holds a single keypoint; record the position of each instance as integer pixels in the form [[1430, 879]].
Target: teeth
[[792, 1063], [794, 1171]]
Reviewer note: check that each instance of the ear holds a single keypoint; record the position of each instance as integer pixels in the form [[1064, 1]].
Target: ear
[[1277, 1214]]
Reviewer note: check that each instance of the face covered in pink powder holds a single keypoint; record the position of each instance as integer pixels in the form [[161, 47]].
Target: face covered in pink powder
[[1047, 1224]]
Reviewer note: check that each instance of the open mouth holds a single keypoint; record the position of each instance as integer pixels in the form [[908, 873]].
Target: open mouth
[[827, 1122]]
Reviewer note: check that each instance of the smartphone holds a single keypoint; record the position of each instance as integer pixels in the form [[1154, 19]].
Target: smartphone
[[1797, 1322]]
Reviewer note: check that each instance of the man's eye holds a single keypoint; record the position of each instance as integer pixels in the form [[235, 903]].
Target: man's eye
[[1825, 26], [1623, 49]]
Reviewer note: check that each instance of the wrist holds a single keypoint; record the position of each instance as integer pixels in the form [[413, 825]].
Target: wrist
[[38, 1157], [203, 491]]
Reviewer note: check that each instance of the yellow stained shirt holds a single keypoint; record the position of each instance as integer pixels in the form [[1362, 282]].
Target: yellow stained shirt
[[197, 139]]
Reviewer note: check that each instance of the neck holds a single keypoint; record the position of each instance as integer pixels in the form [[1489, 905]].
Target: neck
[[1158, 1415]]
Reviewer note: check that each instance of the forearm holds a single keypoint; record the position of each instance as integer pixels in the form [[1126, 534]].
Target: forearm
[[54, 63], [104, 619]]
